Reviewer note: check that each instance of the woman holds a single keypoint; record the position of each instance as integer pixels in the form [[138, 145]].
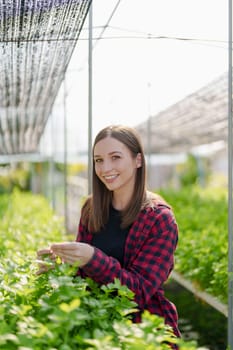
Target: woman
[[125, 231]]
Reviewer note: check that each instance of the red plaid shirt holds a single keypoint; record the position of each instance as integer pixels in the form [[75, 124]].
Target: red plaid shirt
[[148, 261]]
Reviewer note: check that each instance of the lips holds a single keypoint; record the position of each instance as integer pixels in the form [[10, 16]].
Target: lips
[[110, 178]]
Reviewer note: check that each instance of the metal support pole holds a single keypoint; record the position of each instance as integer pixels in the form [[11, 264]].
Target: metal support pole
[[51, 164], [65, 156], [230, 158], [90, 101], [149, 135], [149, 167]]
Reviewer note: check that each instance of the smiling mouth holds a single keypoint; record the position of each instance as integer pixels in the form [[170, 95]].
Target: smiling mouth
[[110, 177]]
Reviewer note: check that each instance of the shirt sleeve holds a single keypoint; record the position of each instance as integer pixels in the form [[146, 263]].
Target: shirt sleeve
[[149, 266]]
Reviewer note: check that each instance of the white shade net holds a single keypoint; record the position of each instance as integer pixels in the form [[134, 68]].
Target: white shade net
[[37, 38]]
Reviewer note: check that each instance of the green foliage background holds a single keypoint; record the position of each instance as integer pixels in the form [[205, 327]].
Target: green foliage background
[[202, 250]]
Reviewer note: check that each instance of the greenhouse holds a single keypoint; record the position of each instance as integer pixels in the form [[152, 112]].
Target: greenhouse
[[69, 68]]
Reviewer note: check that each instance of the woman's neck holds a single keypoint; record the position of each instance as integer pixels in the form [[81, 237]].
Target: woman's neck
[[120, 202]]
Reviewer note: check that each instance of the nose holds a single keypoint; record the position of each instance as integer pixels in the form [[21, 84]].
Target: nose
[[106, 166]]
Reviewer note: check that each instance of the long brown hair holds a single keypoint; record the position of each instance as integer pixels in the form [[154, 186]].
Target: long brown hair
[[95, 211]]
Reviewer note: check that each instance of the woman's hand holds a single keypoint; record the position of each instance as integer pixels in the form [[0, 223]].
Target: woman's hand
[[45, 259], [73, 252]]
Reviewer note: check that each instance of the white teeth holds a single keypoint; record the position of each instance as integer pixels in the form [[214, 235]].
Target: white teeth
[[110, 177]]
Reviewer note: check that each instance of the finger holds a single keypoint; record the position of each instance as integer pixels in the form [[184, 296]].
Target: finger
[[53, 257], [63, 246], [69, 257], [43, 269], [44, 252], [67, 252]]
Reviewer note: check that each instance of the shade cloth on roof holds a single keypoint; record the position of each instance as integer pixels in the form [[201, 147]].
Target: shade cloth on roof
[[200, 118], [37, 38]]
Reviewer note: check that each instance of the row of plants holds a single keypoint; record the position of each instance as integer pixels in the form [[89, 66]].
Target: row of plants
[[202, 250], [56, 310], [22, 175], [14, 176]]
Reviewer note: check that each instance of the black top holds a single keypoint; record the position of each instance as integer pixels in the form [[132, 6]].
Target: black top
[[111, 239]]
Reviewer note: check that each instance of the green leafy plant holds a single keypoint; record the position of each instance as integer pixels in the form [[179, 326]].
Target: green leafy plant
[[202, 250], [57, 309]]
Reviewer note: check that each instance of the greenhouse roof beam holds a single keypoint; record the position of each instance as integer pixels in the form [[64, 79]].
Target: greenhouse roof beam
[[200, 118]]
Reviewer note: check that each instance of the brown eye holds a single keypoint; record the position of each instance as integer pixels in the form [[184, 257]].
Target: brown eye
[[115, 157]]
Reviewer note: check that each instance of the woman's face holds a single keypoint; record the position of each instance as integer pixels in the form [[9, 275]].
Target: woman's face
[[114, 165]]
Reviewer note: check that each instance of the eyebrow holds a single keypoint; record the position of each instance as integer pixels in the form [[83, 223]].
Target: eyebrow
[[110, 154]]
